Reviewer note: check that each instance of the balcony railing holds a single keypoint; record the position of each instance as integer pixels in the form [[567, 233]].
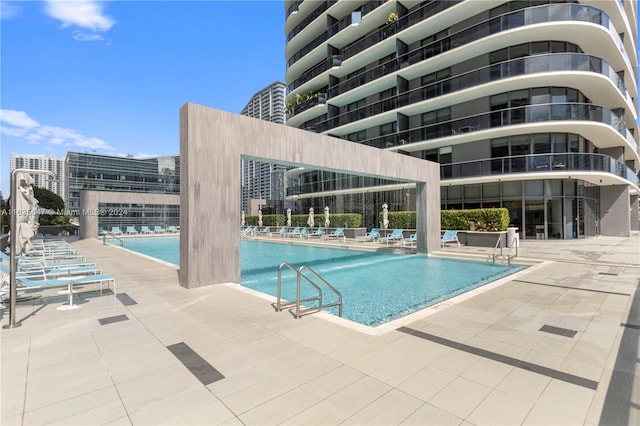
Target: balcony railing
[[534, 15], [506, 117], [309, 19], [538, 163], [316, 70]]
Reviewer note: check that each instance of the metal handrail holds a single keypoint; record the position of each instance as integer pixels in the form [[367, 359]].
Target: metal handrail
[[514, 244], [323, 281], [104, 238], [298, 302]]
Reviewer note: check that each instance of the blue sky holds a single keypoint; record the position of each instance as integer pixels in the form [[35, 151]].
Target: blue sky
[[111, 76]]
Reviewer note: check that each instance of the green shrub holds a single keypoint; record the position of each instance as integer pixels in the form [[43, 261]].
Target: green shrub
[[494, 219]]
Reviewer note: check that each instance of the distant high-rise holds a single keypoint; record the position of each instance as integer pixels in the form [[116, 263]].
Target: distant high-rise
[[267, 104], [264, 181], [43, 162], [528, 105]]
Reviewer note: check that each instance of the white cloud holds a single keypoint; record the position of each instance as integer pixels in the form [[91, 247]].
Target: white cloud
[[86, 14], [8, 10], [19, 125], [17, 119]]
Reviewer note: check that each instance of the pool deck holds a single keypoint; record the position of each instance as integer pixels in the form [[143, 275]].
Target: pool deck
[[558, 344]]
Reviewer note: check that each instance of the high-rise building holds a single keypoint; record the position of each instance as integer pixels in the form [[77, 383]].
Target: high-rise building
[[259, 180], [529, 105], [125, 174], [43, 162]]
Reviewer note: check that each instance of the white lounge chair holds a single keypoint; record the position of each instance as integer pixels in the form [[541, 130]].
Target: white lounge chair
[[370, 236], [450, 236], [338, 233], [396, 236]]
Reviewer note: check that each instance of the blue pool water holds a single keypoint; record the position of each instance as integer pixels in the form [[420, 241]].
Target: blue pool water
[[376, 287]]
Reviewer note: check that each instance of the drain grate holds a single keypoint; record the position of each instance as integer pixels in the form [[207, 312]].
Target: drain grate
[[613, 274], [558, 330], [125, 299], [110, 320], [198, 366]]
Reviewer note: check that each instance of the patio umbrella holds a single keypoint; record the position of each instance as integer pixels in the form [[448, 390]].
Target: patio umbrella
[[385, 216], [326, 217], [242, 222], [289, 217], [310, 221], [259, 217]]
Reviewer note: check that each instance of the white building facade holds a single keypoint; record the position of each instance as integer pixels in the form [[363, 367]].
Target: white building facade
[[43, 162], [528, 105]]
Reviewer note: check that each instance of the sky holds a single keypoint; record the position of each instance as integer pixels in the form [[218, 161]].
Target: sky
[[110, 76]]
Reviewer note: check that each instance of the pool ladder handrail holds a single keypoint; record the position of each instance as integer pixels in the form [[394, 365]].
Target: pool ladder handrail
[[514, 244], [104, 238], [298, 302]]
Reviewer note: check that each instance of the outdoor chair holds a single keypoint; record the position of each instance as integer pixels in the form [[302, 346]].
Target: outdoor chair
[[449, 236], [396, 236], [144, 229], [370, 236], [317, 233], [131, 230], [413, 239], [338, 233]]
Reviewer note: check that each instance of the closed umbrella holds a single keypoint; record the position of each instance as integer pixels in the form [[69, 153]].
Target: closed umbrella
[[310, 221], [289, 217], [242, 221], [326, 217], [259, 217], [25, 211], [385, 216]]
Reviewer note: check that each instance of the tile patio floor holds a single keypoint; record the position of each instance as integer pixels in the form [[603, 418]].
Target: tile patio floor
[[481, 360]]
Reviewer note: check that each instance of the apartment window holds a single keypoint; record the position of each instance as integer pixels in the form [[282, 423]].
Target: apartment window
[[388, 129], [356, 105], [357, 136]]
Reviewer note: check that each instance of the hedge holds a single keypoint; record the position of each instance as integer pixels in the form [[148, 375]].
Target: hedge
[[495, 219], [343, 220]]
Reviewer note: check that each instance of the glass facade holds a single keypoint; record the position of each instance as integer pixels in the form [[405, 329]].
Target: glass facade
[[125, 174]]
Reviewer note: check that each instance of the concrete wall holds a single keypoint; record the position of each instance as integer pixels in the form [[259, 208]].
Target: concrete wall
[[614, 211], [211, 145], [89, 200], [634, 213]]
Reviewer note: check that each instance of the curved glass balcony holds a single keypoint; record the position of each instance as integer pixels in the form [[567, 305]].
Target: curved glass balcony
[[529, 65], [538, 163], [507, 21], [506, 117], [316, 70]]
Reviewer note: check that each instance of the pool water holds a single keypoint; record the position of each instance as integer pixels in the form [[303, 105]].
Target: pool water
[[376, 287]]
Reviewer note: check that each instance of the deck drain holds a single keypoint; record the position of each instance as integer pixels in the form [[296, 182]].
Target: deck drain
[[198, 366], [614, 274], [125, 299], [558, 330], [110, 320]]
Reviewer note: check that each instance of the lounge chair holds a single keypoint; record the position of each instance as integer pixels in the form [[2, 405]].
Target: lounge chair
[[144, 229], [36, 270], [281, 233], [317, 233], [413, 239], [100, 231], [62, 281], [304, 232], [265, 231], [158, 229], [299, 233], [295, 232], [48, 264], [449, 236], [338, 233], [370, 236], [396, 236], [173, 229], [131, 230], [115, 230]]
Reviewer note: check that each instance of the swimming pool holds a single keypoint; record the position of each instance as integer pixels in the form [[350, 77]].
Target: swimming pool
[[376, 287]]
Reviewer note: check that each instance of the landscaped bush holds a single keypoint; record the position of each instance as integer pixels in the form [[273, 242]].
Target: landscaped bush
[[496, 219], [342, 220]]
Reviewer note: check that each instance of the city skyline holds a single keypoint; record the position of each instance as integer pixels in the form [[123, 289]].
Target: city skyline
[[110, 77]]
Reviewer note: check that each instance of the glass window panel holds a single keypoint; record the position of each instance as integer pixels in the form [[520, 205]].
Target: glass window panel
[[533, 188], [472, 192], [541, 143], [511, 189], [553, 188], [454, 193], [500, 148], [490, 190]]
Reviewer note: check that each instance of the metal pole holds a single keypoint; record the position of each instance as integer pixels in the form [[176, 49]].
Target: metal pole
[[13, 267]]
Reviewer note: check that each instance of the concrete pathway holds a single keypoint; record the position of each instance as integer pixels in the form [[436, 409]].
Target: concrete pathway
[[557, 344]]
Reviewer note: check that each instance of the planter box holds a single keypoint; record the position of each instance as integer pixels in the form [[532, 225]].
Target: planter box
[[482, 239]]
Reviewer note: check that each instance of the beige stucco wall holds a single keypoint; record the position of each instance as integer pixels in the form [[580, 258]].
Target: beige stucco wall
[[89, 200], [211, 145]]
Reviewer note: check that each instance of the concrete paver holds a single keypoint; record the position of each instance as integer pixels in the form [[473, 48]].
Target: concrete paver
[[474, 360]]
